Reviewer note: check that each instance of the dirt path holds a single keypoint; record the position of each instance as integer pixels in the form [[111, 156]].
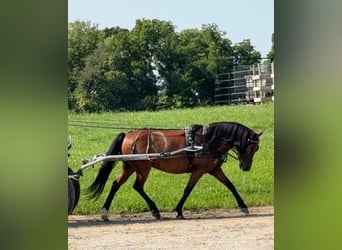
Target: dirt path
[[205, 229]]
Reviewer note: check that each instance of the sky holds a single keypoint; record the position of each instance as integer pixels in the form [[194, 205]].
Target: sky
[[239, 19]]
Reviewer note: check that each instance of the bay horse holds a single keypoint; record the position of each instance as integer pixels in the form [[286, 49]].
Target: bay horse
[[215, 139]]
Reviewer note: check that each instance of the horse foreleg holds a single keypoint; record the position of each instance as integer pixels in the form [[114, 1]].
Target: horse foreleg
[[121, 179], [190, 186], [138, 186], [218, 173]]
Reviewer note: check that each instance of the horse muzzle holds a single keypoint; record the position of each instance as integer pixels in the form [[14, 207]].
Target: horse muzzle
[[245, 164]]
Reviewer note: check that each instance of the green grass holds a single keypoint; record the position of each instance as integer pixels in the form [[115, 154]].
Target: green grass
[[256, 187]]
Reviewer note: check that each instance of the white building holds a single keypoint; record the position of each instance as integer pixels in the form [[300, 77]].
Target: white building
[[246, 84]]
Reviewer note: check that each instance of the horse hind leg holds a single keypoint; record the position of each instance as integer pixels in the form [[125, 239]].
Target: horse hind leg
[[139, 187], [179, 208], [126, 172], [195, 176], [153, 208]]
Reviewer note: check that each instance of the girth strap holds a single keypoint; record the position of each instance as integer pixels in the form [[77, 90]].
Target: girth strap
[[190, 140], [191, 156]]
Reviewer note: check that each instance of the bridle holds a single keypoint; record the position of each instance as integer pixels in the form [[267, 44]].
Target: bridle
[[248, 149]]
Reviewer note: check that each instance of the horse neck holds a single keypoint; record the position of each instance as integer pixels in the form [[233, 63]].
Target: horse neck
[[240, 136], [234, 135]]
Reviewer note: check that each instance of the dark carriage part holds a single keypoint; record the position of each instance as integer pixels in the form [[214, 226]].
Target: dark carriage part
[[71, 196], [74, 179], [73, 185]]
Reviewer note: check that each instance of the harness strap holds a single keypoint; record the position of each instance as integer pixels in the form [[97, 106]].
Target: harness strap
[[148, 141], [204, 131], [135, 142], [189, 140], [191, 156]]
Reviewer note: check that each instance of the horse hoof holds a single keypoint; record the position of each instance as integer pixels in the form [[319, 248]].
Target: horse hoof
[[180, 217], [156, 215], [104, 215], [244, 210], [104, 218]]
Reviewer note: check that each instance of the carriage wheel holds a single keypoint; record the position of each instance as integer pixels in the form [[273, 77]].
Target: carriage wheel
[[76, 185], [71, 196]]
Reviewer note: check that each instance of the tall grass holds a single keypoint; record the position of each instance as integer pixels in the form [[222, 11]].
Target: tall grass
[[255, 187]]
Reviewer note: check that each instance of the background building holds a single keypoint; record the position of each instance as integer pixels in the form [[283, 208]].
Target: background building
[[246, 84]]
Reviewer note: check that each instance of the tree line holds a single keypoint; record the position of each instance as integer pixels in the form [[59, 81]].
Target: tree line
[[150, 67]]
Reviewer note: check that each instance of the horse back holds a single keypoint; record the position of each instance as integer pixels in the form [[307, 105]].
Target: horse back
[[153, 141]]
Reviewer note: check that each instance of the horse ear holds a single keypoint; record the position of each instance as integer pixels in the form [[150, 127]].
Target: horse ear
[[260, 133]]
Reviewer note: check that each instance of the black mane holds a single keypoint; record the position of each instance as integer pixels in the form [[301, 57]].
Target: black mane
[[233, 133]]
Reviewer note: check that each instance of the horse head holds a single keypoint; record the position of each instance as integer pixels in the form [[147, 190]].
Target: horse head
[[246, 153]]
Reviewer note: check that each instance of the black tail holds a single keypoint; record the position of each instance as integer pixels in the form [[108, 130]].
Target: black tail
[[96, 188]]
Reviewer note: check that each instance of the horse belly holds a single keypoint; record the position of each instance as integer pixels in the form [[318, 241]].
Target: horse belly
[[173, 166]]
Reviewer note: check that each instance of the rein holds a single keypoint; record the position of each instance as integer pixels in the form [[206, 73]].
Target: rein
[[233, 156]]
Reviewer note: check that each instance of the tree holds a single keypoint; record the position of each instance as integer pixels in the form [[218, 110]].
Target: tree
[[270, 55], [149, 67], [245, 54], [113, 31], [154, 44], [105, 79], [204, 53], [82, 41]]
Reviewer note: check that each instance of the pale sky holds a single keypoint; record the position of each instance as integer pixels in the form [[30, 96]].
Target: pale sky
[[240, 19]]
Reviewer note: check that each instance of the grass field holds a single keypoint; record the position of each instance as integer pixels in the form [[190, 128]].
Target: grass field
[[98, 130]]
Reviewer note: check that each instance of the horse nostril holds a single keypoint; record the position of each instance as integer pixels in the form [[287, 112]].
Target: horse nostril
[[245, 164]]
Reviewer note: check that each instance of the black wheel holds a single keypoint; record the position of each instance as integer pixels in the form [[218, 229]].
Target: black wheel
[[71, 196], [77, 191]]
